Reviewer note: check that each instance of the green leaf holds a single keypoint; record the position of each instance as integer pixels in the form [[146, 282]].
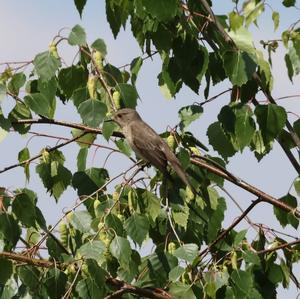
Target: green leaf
[[23, 155], [46, 65], [242, 282], [3, 134], [24, 208], [251, 258], [9, 230], [6, 270], [297, 186], [117, 14], [55, 177], [90, 180], [2, 91], [92, 112], [137, 227], [255, 9], [121, 250], [294, 57], [80, 6], [289, 3], [271, 119], [214, 281], [289, 66], [86, 140], [239, 67], [169, 86], [161, 10], [108, 128], [124, 147], [239, 237], [81, 220], [135, 67], [16, 82], [92, 250], [259, 147], [128, 93], [19, 112], [282, 216], [244, 126], [219, 141], [56, 283], [181, 217], [40, 104], [188, 114], [181, 291], [4, 123], [175, 273], [235, 20], [100, 46], [113, 222], [80, 95], [72, 78], [187, 252], [275, 274], [77, 36], [88, 288], [275, 18], [215, 220], [81, 159], [152, 204], [30, 276]]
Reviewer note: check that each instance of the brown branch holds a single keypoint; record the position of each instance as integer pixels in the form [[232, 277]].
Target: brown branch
[[17, 257], [262, 195], [234, 224], [282, 246], [217, 24], [197, 161], [154, 293], [40, 155], [64, 124]]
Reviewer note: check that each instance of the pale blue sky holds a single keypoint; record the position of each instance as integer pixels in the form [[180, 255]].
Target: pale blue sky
[[27, 27]]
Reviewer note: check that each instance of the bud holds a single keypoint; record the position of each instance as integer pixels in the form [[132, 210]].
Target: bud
[[91, 85]]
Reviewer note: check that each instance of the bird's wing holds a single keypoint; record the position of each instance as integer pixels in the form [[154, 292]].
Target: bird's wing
[[147, 144]]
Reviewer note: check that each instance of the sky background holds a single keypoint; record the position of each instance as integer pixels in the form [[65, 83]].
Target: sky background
[[27, 28]]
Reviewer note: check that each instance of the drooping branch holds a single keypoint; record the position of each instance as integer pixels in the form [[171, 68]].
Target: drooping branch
[[154, 293], [40, 155], [264, 196], [281, 246], [234, 224], [197, 160]]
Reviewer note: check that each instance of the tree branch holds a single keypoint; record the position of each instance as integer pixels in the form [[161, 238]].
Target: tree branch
[[154, 293], [264, 196], [226, 231], [40, 155], [197, 160], [282, 246]]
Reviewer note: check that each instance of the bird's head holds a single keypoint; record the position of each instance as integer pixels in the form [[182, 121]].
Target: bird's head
[[124, 116]]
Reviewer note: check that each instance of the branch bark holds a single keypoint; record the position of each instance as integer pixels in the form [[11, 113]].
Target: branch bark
[[197, 161], [264, 196]]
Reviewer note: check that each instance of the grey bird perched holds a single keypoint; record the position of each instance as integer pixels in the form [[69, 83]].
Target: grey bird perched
[[147, 144]]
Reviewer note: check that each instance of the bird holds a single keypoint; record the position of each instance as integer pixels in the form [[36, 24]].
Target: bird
[[147, 144]]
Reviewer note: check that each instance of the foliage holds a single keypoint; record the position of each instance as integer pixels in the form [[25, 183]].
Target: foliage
[[96, 252]]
